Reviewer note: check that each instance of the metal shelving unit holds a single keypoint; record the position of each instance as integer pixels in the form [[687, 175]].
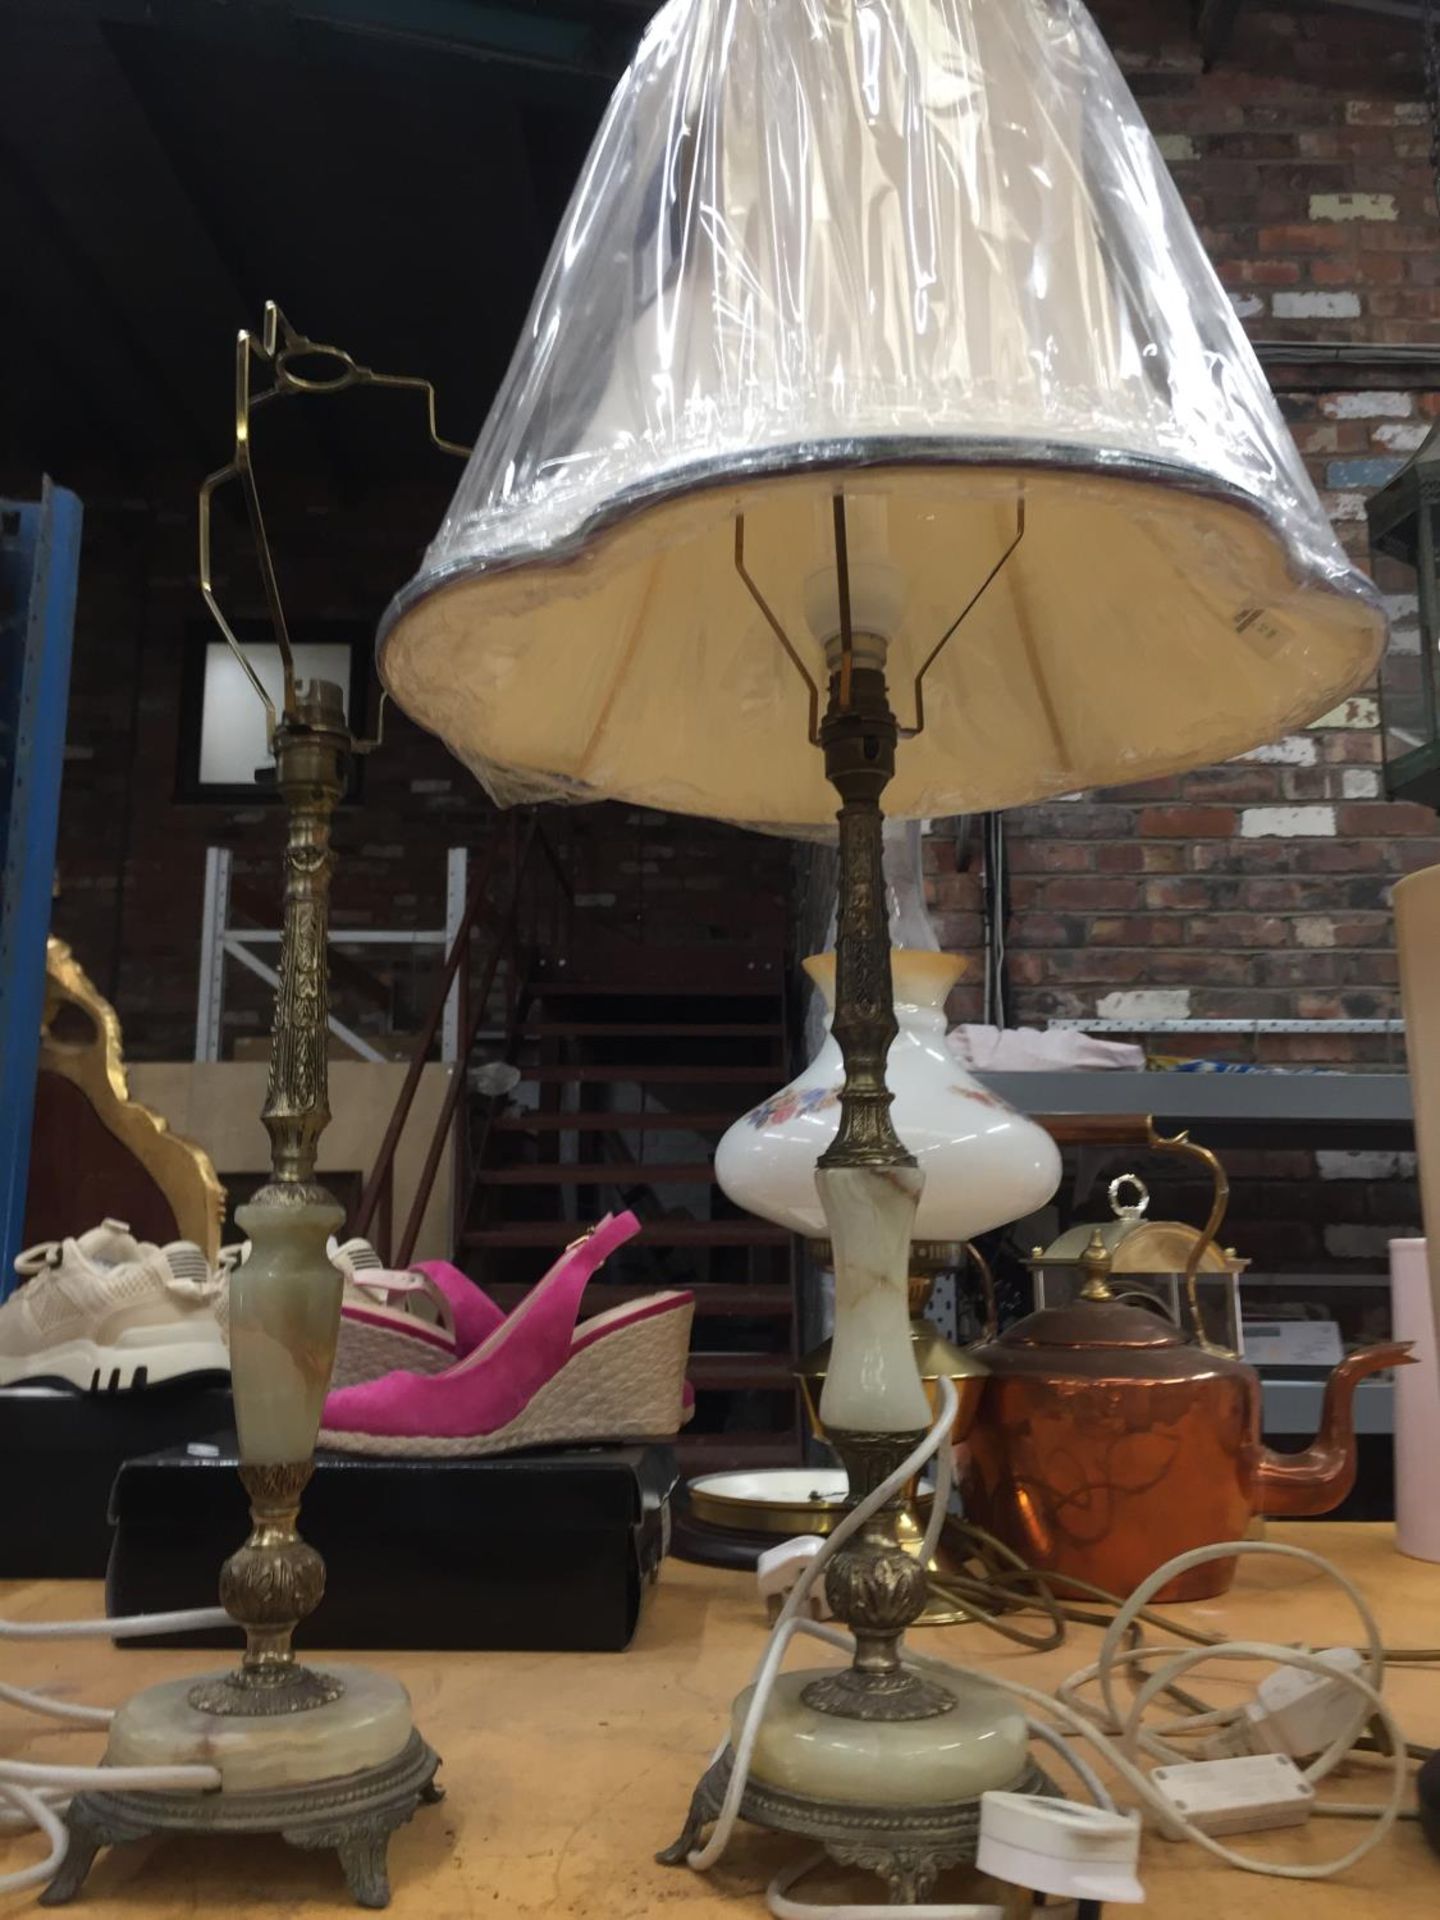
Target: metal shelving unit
[[1232, 1109], [39, 566]]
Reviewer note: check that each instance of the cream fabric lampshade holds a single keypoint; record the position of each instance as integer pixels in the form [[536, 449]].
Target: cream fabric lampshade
[[924, 252]]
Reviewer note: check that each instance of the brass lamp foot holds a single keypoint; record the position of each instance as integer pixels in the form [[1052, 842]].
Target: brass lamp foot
[[908, 1847], [352, 1815]]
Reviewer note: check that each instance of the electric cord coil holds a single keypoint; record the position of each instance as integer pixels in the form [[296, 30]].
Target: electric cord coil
[[34, 1795], [1117, 1740]]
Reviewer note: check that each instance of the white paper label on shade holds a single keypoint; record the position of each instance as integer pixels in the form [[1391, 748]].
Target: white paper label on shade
[[1293, 1343]]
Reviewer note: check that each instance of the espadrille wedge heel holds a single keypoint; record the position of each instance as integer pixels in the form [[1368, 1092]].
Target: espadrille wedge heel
[[539, 1380]]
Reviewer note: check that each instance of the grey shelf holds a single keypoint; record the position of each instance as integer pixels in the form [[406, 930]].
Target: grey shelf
[[1293, 1406], [1232, 1109]]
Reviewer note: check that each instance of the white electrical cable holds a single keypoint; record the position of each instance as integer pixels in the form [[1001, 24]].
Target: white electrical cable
[[776, 1898], [1098, 1730], [788, 1622], [38, 1794]]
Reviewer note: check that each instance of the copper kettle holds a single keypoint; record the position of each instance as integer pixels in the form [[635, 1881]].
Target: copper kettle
[[1107, 1441]]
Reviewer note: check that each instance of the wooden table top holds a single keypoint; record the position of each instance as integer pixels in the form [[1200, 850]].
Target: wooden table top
[[566, 1771]]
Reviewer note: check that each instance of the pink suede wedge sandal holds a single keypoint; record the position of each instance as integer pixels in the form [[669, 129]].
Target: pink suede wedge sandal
[[421, 1321], [539, 1379]]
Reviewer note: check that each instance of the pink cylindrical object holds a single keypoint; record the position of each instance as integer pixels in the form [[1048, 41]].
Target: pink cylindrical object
[[1417, 1405]]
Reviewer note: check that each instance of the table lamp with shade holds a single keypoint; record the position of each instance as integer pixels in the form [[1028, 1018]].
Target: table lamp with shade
[[877, 389]]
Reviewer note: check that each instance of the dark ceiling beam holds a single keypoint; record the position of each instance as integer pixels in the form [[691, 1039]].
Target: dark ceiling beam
[[1214, 24], [1383, 9], [154, 296], [587, 41]]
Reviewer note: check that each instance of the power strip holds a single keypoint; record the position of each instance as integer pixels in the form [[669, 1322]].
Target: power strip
[[1244, 1795]]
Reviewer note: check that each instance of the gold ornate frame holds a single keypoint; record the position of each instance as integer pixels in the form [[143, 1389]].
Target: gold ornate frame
[[93, 1061]]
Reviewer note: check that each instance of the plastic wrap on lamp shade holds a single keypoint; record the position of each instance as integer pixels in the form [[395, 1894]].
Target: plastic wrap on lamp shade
[[924, 253]]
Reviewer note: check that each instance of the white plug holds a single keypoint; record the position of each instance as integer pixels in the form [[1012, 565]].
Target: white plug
[[1244, 1795], [778, 1568], [1299, 1713], [1060, 1847]]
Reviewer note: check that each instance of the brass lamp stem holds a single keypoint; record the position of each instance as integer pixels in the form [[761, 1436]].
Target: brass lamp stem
[[276, 1579], [858, 739], [873, 1585], [311, 762]]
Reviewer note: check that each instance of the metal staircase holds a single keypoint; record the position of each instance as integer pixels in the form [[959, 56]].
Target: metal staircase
[[602, 1071]]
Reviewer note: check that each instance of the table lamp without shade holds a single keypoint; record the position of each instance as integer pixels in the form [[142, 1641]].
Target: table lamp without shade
[[328, 1758], [877, 389]]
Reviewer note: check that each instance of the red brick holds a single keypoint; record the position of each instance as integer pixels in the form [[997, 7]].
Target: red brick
[[1349, 747], [1241, 931], [1299, 967], [1305, 239], [1339, 856], [1048, 856], [1188, 823], [1258, 273], [1369, 969], [1245, 785], [1085, 894], [1273, 895], [957, 932], [1120, 856], [1185, 967], [1368, 817], [1137, 930], [1163, 856], [957, 892], [1046, 930], [1181, 892]]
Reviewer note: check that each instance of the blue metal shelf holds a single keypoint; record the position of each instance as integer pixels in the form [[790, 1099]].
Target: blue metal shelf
[[39, 567]]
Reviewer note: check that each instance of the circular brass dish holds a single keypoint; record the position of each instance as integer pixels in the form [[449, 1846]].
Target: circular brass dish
[[779, 1500]]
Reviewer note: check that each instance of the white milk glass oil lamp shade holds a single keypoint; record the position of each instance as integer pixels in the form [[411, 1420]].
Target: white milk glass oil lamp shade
[[877, 386], [984, 1163]]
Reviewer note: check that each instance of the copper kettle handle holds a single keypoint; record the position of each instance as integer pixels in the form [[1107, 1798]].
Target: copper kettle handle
[[1181, 1143], [987, 1288], [1138, 1129]]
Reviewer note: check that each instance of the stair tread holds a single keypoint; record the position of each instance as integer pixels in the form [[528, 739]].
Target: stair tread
[[658, 1233], [605, 1173], [730, 1372], [615, 1122], [681, 987], [652, 1074], [714, 1299], [722, 1452], [653, 1030]]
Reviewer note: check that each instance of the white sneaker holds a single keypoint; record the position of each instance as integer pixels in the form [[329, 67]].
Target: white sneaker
[[107, 1311], [387, 1320]]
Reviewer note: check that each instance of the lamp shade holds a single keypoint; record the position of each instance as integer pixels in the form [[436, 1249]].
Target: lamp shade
[[924, 253]]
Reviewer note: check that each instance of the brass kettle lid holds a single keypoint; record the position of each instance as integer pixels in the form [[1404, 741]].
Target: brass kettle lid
[[1137, 1244], [1096, 1319]]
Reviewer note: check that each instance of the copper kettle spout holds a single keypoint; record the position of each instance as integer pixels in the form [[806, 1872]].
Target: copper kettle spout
[[1317, 1480]]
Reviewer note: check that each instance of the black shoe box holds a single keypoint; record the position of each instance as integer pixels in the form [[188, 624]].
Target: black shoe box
[[532, 1552], [62, 1450]]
